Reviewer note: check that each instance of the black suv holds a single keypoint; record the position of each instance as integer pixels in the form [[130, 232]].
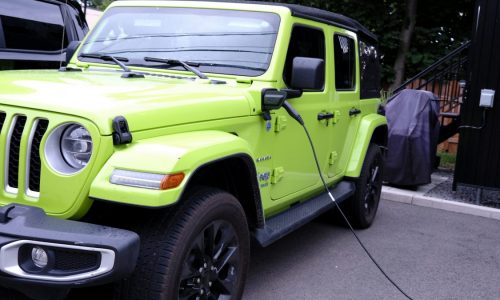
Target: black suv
[[34, 34]]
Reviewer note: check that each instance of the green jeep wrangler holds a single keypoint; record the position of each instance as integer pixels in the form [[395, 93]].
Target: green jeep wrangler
[[175, 134]]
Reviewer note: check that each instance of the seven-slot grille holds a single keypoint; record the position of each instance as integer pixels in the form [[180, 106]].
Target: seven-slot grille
[[14, 127]]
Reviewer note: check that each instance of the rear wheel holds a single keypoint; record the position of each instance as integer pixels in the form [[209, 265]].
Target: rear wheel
[[362, 207], [200, 251]]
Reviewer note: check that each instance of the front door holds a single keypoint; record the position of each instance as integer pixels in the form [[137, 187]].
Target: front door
[[294, 168]]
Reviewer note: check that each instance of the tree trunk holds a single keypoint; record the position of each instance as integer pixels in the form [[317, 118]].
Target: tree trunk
[[405, 41]]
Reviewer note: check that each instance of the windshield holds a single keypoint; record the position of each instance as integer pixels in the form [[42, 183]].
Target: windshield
[[219, 41]]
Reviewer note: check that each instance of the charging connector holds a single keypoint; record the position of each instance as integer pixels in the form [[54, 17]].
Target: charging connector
[[293, 113]]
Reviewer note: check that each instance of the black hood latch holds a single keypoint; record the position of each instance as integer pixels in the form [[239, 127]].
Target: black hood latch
[[121, 133]]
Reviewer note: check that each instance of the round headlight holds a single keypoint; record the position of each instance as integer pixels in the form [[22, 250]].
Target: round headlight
[[76, 146], [69, 148]]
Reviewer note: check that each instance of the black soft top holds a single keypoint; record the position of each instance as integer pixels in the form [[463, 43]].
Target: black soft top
[[323, 16], [317, 15]]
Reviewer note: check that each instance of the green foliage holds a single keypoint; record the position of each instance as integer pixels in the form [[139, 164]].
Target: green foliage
[[447, 160], [102, 4], [441, 26]]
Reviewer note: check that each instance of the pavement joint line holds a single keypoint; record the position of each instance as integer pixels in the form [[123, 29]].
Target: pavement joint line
[[417, 198]]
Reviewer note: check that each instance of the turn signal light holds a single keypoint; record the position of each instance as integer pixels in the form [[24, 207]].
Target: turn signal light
[[146, 180], [171, 181]]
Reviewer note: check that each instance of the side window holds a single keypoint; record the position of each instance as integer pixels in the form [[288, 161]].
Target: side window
[[80, 25], [2, 40], [32, 25], [369, 70], [345, 62], [304, 42]]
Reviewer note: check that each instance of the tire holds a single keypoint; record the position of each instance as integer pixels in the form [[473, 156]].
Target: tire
[[361, 208], [175, 260]]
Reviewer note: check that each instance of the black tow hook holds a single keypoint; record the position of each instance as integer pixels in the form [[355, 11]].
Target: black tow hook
[[4, 213]]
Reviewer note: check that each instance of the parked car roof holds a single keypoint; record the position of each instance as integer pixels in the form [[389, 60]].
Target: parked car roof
[[32, 31]]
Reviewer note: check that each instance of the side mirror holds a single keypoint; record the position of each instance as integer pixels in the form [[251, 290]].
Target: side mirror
[[273, 99], [71, 49], [308, 73]]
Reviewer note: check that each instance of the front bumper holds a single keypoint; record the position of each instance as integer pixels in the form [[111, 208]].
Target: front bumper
[[77, 254]]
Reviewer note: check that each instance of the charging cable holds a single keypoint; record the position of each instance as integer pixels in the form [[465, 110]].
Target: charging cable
[[294, 114], [476, 127]]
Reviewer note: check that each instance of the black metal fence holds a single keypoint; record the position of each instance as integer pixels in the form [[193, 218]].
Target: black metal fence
[[446, 78]]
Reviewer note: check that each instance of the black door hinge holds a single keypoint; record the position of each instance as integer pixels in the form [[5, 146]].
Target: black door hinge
[[121, 133]]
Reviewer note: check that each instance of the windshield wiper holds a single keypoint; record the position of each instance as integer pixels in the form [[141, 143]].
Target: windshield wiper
[[117, 60], [209, 64], [176, 62]]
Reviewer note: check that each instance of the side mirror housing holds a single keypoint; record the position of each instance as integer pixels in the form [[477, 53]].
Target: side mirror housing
[[273, 99], [71, 49], [308, 73]]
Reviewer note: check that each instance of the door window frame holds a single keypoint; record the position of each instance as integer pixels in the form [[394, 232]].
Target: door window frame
[[325, 55], [355, 68]]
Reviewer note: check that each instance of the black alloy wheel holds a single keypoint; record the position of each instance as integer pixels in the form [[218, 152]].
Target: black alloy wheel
[[211, 264], [198, 250], [373, 186], [362, 208]]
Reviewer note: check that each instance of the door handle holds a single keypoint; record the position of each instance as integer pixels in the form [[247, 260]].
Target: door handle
[[325, 116], [354, 112]]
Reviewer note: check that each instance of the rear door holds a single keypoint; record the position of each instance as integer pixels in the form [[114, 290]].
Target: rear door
[[344, 99]]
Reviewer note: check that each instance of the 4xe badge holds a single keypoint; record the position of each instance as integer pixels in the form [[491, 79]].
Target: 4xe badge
[[264, 178]]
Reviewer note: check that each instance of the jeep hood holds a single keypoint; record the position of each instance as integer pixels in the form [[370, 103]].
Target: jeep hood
[[99, 96]]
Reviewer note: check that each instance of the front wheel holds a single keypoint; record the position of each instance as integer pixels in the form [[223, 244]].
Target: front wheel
[[362, 207], [200, 251]]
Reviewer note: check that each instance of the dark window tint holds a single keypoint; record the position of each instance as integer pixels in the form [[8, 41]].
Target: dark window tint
[[80, 24], [369, 70], [2, 40], [32, 25], [304, 42], [345, 62]]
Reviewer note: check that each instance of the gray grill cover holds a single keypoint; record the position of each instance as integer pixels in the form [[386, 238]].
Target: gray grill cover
[[413, 121]]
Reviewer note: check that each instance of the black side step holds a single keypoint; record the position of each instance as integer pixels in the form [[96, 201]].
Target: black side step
[[301, 214]]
